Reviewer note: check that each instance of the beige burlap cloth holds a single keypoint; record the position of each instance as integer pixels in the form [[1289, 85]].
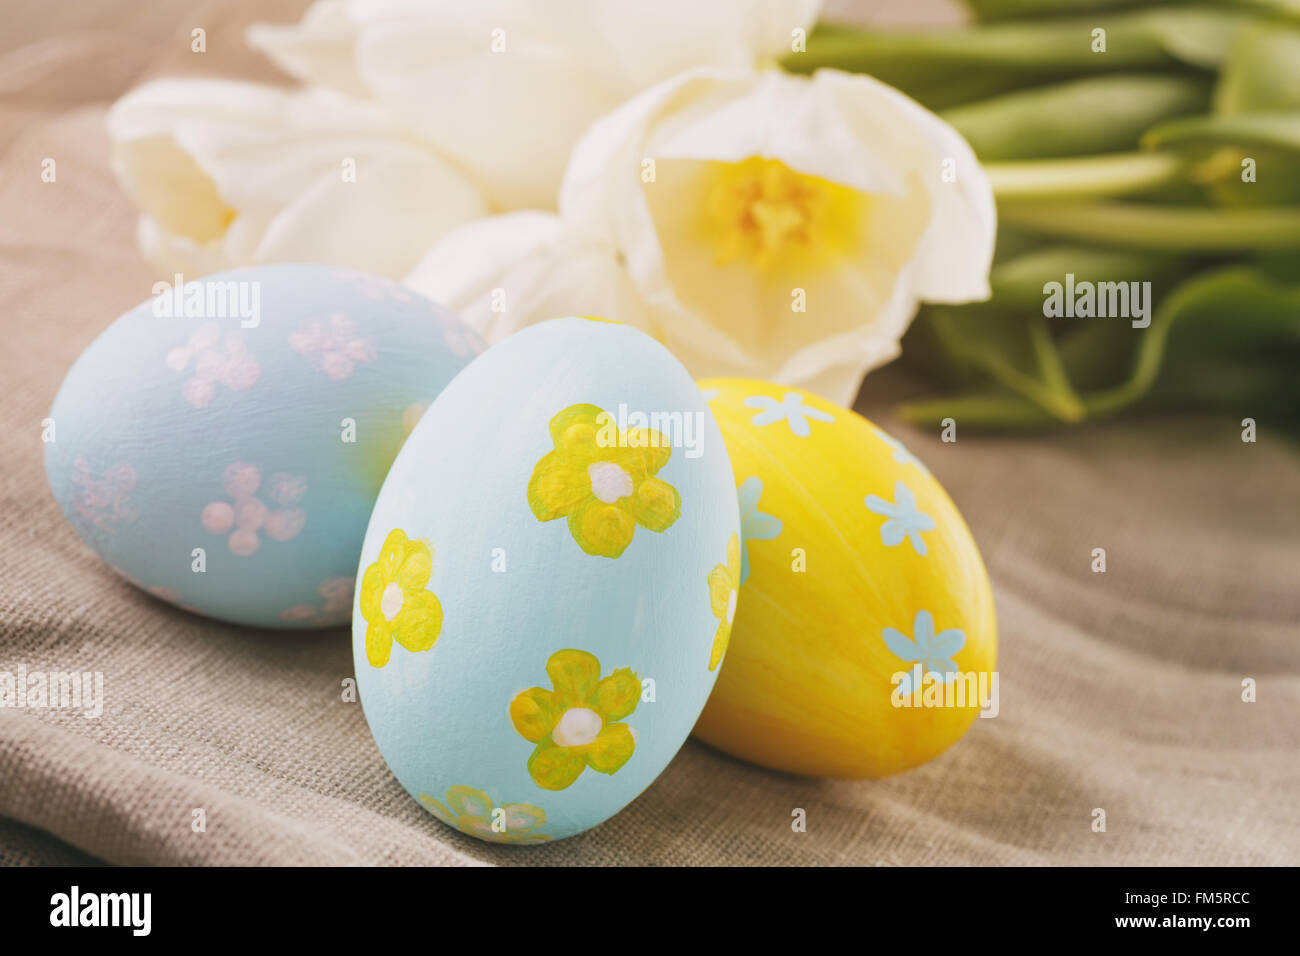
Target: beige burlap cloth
[[1119, 691]]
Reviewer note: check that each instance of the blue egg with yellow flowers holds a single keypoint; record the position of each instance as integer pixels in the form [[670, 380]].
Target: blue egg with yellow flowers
[[547, 585]]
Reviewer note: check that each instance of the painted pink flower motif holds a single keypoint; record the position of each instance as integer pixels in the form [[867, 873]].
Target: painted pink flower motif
[[337, 606], [285, 525], [243, 543], [217, 361], [286, 490], [103, 501], [247, 517], [241, 480], [337, 593], [333, 345], [217, 516]]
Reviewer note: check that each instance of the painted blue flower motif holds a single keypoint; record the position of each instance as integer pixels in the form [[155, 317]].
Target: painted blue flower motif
[[905, 521], [934, 652], [901, 454], [754, 524], [790, 409]]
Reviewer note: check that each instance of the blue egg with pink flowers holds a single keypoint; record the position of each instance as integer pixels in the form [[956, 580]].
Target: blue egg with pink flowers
[[222, 444]]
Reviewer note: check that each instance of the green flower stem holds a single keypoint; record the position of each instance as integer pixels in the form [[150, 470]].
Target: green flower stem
[[945, 68], [1146, 37], [986, 411], [1032, 408], [1049, 391], [1021, 9], [1084, 177], [1172, 228], [1278, 130], [1053, 46], [1261, 311]]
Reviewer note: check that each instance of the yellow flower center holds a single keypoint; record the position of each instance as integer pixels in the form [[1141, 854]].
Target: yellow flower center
[[578, 726], [391, 602], [731, 607], [762, 212], [609, 482]]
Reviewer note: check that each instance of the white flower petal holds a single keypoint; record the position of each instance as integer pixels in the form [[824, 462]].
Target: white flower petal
[[739, 121], [633, 44], [402, 202], [956, 250], [532, 266], [318, 49], [156, 108], [509, 116]]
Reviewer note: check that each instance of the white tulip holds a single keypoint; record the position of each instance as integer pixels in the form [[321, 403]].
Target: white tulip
[[507, 87], [229, 174], [768, 226]]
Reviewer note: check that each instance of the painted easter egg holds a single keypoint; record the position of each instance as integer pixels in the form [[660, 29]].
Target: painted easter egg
[[865, 639], [221, 445], [548, 582]]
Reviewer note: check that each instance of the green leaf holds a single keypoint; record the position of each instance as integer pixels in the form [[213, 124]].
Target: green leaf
[[1250, 146], [1227, 339], [1008, 341], [1097, 114], [1262, 71], [1018, 283], [1223, 319]]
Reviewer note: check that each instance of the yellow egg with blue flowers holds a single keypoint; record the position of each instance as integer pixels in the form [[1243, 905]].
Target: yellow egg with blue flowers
[[864, 640]]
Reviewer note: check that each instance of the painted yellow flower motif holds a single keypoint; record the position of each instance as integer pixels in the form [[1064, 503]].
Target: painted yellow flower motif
[[602, 480], [471, 811], [394, 602], [724, 588], [575, 725]]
